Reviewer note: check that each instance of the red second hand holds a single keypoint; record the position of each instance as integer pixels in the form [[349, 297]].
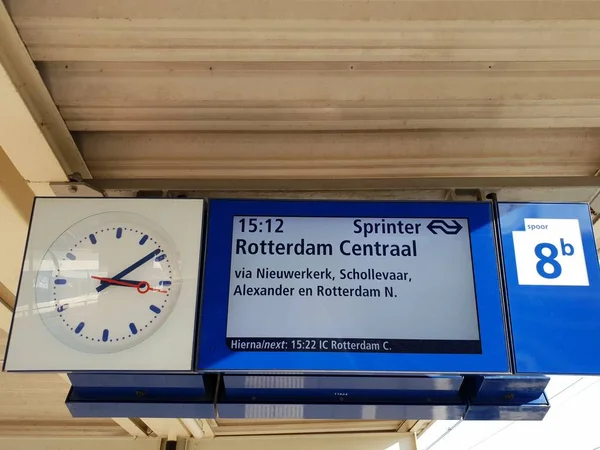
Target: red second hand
[[125, 283]]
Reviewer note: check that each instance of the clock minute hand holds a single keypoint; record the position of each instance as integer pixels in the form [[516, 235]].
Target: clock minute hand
[[129, 269]]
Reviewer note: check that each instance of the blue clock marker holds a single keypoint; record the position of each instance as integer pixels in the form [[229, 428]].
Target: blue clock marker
[[143, 239], [133, 328], [160, 257], [60, 281], [164, 283], [105, 335], [119, 232], [155, 309], [71, 256], [79, 327], [93, 238]]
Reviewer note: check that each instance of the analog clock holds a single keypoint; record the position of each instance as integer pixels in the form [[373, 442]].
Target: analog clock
[[108, 282]]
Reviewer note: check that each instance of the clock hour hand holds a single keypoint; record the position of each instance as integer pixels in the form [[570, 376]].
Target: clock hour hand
[[141, 286], [103, 285], [132, 282]]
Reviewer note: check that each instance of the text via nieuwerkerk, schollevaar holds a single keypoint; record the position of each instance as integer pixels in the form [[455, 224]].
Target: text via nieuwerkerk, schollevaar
[[346, 247], [260, 244]]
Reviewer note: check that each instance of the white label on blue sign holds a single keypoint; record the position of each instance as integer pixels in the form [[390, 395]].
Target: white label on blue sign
[[350, 284], [550, 252]]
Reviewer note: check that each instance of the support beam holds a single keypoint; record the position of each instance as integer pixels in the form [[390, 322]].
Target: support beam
[[329, 184], [406, 426], [245, 427], [354, 441], [168, 428], [199, 428], [32, 131], [358, 441], [528, 153], [91, 443], [134, 427], [16, 200], [420, 426], [207, 429], [5, 313]]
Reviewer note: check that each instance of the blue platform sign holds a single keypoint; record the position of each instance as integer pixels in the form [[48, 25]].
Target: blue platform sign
[[360, 287], [553, 282]]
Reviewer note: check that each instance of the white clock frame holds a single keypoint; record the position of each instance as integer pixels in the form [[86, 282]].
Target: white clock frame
[[158, 335]]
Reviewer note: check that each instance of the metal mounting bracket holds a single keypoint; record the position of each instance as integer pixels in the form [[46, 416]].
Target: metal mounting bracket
[[76, 187], [455, 194]]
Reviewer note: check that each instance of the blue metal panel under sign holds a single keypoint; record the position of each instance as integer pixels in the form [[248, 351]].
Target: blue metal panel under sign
[[531, 410], [399, 411], [102, 402], [138, 381], [553, 282], [345, 388], [507, 389], [141, 395], [101, 405]]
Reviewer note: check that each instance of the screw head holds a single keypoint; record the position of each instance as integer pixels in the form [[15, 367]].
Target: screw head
[[73, 189]]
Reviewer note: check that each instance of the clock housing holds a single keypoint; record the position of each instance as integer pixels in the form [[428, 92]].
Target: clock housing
[[108, 284]]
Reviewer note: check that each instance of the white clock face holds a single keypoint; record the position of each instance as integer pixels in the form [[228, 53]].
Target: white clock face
[[108, 282]]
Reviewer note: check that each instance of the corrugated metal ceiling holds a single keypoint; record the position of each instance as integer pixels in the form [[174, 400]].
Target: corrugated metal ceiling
[[307, 89]]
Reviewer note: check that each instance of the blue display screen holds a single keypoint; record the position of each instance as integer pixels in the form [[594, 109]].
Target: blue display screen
[[318, 286]]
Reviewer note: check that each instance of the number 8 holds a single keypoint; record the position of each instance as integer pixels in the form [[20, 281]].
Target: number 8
[[543, 260]]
